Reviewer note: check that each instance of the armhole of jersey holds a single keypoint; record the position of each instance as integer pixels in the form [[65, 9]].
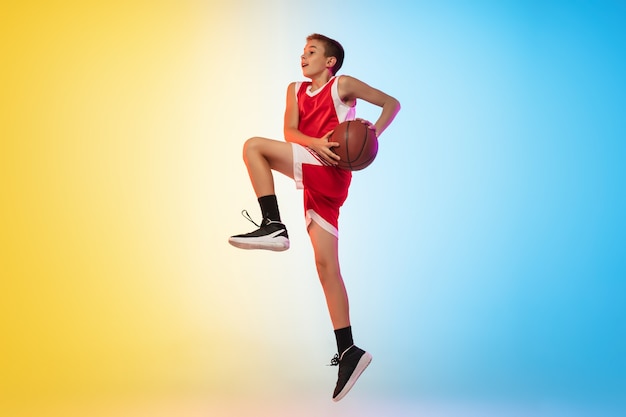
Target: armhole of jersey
[[297, 88], [344, 112], [334, 89]]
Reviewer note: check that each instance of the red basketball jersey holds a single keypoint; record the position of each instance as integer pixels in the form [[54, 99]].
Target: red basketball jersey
[[322, 110], [325, 187]]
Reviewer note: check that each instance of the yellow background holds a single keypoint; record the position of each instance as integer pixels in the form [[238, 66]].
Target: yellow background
[[122, 126]]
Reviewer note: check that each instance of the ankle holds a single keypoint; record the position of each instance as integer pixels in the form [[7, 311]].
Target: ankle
[[269, 207], [344, 339]]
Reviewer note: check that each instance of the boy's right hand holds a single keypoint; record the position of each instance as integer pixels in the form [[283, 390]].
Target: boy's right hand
[[323, 147]]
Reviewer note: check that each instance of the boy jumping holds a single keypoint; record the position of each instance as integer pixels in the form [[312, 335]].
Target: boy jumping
[[313, 109]]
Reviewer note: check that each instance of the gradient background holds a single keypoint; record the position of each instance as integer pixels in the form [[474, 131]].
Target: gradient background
[[483, 251]]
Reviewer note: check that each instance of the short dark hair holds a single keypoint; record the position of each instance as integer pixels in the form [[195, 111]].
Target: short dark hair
[[331, 48]]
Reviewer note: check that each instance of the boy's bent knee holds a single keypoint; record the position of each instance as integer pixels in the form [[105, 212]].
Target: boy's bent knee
[[252, 145]]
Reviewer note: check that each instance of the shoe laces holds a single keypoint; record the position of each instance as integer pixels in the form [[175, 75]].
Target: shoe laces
[[336, 360], [264, 222], [247, 216]]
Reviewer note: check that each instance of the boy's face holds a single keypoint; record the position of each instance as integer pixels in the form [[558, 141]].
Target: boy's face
[[313, 61]]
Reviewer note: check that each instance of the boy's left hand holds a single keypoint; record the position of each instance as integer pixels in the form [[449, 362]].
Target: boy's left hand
[[367, 123]]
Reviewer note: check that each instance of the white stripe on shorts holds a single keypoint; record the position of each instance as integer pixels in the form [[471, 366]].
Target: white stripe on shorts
[[304, 155]]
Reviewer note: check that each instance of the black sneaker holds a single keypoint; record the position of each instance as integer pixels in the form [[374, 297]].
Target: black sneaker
[[270, 235], [352, 363]]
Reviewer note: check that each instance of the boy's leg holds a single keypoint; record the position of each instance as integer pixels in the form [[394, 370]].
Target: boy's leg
[[351, 360], [325, 248], [261, 157]]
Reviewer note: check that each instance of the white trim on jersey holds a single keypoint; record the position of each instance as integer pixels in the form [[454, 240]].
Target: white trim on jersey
[[343, 111]]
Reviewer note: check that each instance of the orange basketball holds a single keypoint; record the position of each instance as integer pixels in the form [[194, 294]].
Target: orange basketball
[[358, 145]]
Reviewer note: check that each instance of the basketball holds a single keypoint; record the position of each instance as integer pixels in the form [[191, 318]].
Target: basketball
[[358, 145]]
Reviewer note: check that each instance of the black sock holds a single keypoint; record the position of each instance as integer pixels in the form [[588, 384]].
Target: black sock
[[344, 339], [269, 207]]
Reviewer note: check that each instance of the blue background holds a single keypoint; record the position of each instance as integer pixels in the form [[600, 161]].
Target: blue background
[[488, 237]]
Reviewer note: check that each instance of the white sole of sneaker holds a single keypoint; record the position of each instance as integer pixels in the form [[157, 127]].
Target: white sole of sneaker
[[365, 360], [277, 244]]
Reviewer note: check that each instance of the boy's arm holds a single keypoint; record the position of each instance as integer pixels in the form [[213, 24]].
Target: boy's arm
[[351, 89], [320, 145]]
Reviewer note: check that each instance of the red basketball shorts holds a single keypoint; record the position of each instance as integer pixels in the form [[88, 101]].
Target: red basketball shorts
[[325, 188]]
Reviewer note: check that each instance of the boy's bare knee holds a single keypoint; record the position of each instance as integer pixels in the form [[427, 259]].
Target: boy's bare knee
[[326, 270], [250, 146], [321, 265]]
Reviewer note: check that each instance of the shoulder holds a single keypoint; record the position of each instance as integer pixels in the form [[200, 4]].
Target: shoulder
[[295, 86], [292, 90], [352, 88], [348, 85], [344, 80], [348, 88]]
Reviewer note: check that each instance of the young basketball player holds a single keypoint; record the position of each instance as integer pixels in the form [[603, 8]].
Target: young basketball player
[[313, 109]]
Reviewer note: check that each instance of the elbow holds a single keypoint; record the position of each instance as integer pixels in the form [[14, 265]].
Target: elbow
[[392, 105], [290, 133], [287, 134], [396, 105]]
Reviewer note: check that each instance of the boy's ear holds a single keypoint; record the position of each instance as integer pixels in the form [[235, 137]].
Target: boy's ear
[[331, 61]]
